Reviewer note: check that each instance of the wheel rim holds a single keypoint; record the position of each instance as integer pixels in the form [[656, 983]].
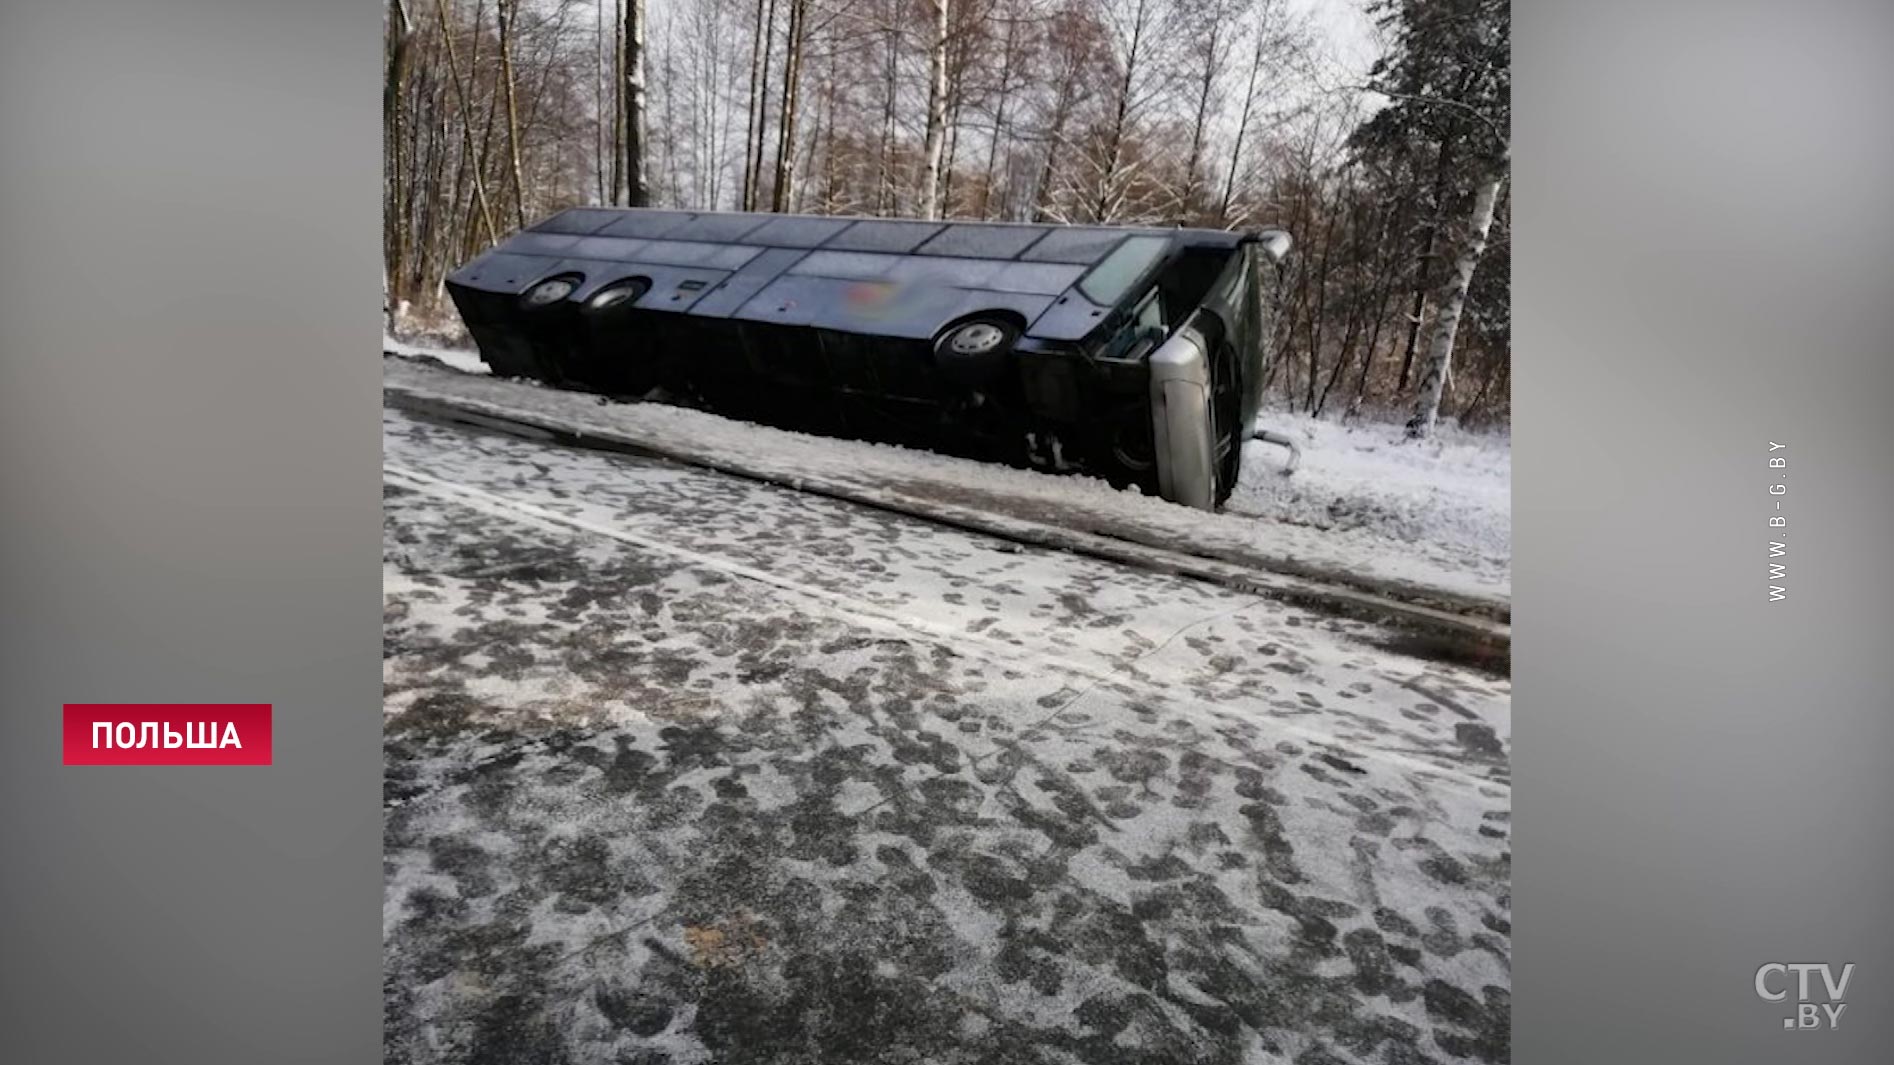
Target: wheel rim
[[976, 339], [617, 296], [550, 291]]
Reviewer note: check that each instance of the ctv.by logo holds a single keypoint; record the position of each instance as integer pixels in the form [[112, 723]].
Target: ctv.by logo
[[1807, 1014]]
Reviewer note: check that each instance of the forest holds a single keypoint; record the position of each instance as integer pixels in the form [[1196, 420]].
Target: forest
[[1390, 174]]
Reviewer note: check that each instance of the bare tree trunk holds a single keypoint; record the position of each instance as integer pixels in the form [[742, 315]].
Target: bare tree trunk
[[1397, 225], [507, 16], [955, 99], [762, 108], [782, 190], [824, 120], [999, 116], [671, 81], [466, 122], [828, 140], [884, 191], [1055, 137], [425, 267], [754, 118], [1453, 297], [487, 137], [1318, 319], [1242, 126], [936, 113], [1187, 196], [1442, 159], [1346, 354], [599, 148], [618, 97], [1102, 205], [637, 181], [1476, 406], [394, 231], [544, 82]]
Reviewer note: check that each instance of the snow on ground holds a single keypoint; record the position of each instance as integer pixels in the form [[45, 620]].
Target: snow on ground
[[454, 358], [1453, 492], [1434, 516], [681, 767]]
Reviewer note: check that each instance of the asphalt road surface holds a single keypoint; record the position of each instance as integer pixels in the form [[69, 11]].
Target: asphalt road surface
[[686, 768]]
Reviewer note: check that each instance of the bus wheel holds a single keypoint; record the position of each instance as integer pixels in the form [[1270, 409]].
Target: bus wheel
[[971, 352], [1225, 413]]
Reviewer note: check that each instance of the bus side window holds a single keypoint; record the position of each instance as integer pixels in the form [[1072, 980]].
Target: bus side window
[[1146, 323], [1150, 315]]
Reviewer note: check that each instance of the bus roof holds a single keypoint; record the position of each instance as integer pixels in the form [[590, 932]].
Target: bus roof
[[1044, 243], [897, 277]]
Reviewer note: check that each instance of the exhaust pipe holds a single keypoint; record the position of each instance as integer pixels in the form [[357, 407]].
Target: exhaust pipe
[[1269, 436]]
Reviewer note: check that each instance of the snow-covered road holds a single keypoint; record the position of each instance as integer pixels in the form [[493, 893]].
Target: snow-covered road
[[683, 767]]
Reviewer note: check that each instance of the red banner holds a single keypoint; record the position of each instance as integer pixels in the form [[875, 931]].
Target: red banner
[[167, 734]]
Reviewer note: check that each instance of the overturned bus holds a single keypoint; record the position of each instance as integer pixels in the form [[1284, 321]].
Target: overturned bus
[[1134, 355]]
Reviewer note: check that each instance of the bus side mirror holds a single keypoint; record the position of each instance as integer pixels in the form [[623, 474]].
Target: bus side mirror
[[1274, 243]]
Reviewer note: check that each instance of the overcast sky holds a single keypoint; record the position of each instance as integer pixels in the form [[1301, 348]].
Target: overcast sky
[[1349, 31]]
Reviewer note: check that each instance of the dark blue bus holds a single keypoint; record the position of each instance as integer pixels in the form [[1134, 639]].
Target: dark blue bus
[[1134, 355]]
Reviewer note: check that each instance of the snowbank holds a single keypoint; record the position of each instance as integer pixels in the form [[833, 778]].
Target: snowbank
[[1452, 493], [1370, 510], [454, 358]]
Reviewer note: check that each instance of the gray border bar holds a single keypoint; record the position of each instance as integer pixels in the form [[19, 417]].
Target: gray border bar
[[189, 196], [1704, 258]]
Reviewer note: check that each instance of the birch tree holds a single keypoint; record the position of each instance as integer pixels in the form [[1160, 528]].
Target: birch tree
[[1447, 78], [637, 179], [1453, 296], [935, 137]]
